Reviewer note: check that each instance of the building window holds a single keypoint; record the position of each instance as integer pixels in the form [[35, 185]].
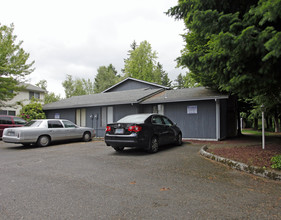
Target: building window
[[106, 116], [36, 95], [13, 113], [3, 112], [7, 112], [81, 117]]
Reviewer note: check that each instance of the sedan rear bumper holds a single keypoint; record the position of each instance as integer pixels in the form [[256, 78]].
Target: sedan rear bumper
[[132, 140], [15, 140]]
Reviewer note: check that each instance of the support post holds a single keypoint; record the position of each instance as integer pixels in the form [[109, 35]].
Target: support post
[[263, 136]]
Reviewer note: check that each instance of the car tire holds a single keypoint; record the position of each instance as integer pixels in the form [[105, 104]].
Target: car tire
[[179, 140], [153, 145], [118, 149], [43, 141], [86, 136]]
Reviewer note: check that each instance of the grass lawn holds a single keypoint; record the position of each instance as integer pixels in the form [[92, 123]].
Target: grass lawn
[[259, 132]]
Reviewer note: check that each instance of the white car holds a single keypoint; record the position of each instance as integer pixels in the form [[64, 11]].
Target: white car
[[44, 131]]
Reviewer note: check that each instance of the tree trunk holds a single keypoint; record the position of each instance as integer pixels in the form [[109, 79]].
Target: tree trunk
[[267, 122], [256, 124], [276, 121], [239, 129], [270, 123]]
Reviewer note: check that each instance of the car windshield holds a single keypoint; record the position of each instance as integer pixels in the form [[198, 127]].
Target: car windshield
[[33, 124], [134, 119]]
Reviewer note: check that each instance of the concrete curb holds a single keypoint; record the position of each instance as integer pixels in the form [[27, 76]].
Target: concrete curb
[[258, 171]]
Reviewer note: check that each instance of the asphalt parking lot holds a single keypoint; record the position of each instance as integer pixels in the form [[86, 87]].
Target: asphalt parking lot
[[89, 180]]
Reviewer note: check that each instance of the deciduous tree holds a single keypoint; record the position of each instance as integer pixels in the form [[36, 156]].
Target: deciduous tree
[[49, 96], [14, 64], [76, 87], [142, 64]]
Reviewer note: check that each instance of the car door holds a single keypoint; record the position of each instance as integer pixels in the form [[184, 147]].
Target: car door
[[72, 130], [171, 133], [56, 130], [159, 129]]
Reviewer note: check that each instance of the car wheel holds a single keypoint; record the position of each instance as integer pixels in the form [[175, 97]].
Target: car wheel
[[153, 145], [179, 139], [118, 149], [86, 136], [43, 141]]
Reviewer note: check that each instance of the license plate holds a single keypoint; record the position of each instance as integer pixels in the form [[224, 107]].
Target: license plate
[[119, 131]]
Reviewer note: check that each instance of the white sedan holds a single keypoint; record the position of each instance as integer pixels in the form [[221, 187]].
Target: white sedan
[[44, 131]]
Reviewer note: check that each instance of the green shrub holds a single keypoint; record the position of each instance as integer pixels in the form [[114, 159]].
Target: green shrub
[[32, 111], [276, 160]]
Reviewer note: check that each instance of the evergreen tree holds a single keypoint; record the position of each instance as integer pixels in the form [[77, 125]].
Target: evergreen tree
[[106, 77], [233, 46]]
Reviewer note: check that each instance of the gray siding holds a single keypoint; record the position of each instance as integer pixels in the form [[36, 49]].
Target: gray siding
[[68, 114], [92, 121], [131, 85], [121, 111], [198, 126]]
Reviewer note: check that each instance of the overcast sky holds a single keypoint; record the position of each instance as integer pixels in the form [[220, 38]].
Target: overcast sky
[[76, 37]]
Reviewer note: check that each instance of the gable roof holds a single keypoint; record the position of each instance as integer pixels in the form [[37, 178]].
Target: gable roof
[[103, 99], [29, 87], [136, 80], [187, 94]]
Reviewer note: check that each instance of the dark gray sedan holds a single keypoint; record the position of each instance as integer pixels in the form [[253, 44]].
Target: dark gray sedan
[[44, 131], [147, 131]]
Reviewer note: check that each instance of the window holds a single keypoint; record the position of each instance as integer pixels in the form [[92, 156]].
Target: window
[[7, 112], [6, 120], [106, 115], [36, 95], [157, 120], [167, 121], [19, 121], [3, 112], [81, 117], [13, 113], [33, 124], [54, 124], [68, 124]]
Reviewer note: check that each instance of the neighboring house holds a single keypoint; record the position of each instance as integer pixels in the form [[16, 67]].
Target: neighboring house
[[22, 98], [200, 112]]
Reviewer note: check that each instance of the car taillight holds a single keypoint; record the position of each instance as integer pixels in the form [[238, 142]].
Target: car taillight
[[108, 128], [135, 128]]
